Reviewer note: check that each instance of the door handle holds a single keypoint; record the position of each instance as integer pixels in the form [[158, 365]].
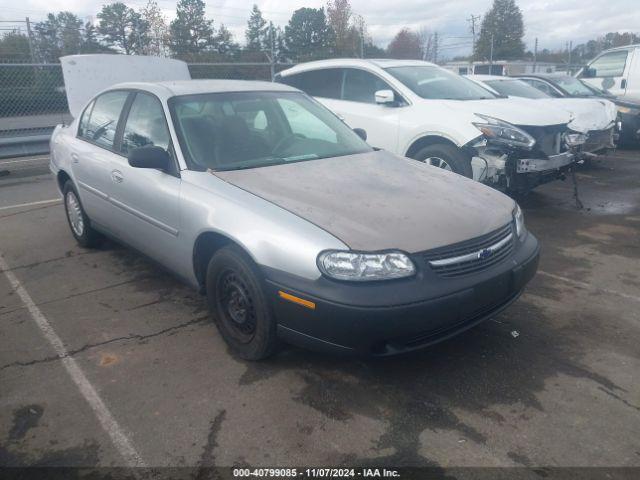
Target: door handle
[[116, 176], [623, 83], [75, 158]]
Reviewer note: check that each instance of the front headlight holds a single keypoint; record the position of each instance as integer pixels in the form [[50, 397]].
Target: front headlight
[[574, 139], [357, 266], [518, 218], [498, 131]]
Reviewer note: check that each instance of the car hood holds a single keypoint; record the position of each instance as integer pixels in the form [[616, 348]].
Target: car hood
[[378, 201], [587, 114], [511, 111]]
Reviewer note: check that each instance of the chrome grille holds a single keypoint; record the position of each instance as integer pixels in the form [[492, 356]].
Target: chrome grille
[[472, 256]]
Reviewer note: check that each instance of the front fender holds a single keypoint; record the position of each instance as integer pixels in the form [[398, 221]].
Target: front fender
[[271, 235]]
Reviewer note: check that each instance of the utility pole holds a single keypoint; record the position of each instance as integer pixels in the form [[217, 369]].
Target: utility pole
[[361, 38], [472, 20], [491, 57], [535, 55], [570, 48], [272, 44], [435, 47], [29, 39]]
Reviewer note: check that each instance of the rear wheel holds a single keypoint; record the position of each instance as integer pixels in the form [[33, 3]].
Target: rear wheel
[[446, 157], [239, 305], [79, 222]]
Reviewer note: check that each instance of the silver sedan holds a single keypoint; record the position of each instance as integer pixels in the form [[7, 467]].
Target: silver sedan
[[292, 225]]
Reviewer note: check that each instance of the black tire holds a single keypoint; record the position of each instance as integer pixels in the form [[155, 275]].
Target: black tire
[[238, 304], [81, 230], [457, 160]]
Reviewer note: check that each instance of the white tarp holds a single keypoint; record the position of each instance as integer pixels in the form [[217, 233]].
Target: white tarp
[[86, 75]]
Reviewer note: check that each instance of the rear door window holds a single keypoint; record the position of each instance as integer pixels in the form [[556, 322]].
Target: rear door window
[[100, 127], [145, 125], [325, 83]]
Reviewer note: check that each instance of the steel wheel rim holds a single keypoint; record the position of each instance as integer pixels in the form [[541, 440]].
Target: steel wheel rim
[[74, 213], [236, 306], [438, 163]]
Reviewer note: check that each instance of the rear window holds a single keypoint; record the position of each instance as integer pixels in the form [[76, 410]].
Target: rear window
[[325, 83]]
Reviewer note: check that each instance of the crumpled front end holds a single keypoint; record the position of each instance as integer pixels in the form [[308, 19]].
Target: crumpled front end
[[518, 170], [600, 141]]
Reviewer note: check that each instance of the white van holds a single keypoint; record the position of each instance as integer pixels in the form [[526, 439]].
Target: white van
[[616, 71]]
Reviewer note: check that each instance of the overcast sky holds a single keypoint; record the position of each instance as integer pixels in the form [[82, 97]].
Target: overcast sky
[[554, 22]]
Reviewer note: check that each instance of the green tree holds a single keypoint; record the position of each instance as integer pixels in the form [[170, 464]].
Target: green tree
[[60, 34], [14, 47], [503, 22], [191, 32], [124, 28], [257, 32], [224, 42], [158, 29], [90, 42], [308, 36]]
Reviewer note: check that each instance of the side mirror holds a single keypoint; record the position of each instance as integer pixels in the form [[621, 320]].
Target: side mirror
[[361, 133], [588, 72], [385, 97], [149, 157]]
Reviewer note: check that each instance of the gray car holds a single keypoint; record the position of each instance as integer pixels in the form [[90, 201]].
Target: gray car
[[292, 225]]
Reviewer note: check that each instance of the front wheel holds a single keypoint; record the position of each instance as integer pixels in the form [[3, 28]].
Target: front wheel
[[447, 157], [238, 303], [79, 223]]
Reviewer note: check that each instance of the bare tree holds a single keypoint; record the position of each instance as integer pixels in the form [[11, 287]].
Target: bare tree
[[158, 30], [427, 44]]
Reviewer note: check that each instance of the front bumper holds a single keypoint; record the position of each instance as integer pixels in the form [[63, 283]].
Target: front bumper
[[554, 162], [386, 318]]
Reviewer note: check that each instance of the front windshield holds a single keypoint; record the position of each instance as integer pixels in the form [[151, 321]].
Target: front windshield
[[516, 88], [573, 86], [438, 83], [232, 131]]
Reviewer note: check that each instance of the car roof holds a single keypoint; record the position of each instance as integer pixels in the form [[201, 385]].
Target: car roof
[[543, 76], [482, 78], [623, 47], [353, 62], [191, 87]]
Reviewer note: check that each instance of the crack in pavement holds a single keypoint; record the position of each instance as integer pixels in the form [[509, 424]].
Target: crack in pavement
[[69, 254], [73, 295], [88, 346]]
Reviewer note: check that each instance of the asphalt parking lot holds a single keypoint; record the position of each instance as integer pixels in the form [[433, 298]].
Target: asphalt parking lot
[[552, 381]]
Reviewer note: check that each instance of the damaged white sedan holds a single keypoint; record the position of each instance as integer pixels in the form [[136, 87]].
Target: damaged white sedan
[[421, 111], [291, 224], [595, 118]]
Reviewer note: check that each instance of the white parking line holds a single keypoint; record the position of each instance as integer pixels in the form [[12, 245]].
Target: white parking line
[[119, 438], [588, 286], [31, 204]]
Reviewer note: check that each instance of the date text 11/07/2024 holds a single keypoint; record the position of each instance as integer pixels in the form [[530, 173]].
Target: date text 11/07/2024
[[316, 472]]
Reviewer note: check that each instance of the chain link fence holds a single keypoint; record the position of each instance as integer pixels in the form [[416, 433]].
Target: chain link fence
[[33, 99]]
